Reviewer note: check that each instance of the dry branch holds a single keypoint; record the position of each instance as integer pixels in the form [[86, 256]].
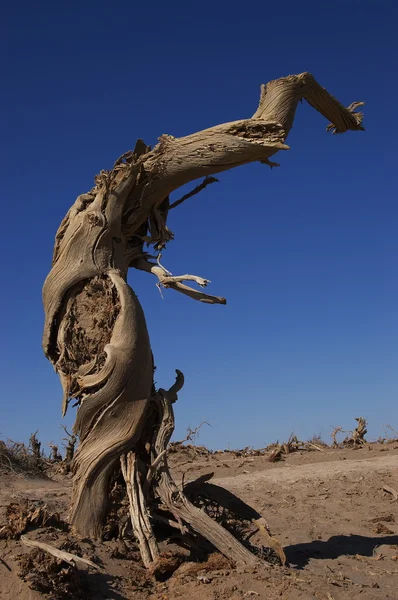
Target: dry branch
[[207, 181], [391, 491], [168, 281], [314, 446], [394, 432], [333, 435], [69, 558]]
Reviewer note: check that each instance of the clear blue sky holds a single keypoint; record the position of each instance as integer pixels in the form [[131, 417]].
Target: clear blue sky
[[305, 254]]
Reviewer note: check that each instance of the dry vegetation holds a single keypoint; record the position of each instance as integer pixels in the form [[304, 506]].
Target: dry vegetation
[[19, 458], [31, 460]]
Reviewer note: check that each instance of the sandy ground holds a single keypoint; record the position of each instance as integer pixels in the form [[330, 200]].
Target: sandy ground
[[338, 526]]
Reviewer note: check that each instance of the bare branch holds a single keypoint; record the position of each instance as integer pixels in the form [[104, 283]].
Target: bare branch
[[394, 432], [279, 99], [196, 294], [192, 434], [70, 435], [168, 281], [314, 446], [334, 433], [177, 161], [207, 181]]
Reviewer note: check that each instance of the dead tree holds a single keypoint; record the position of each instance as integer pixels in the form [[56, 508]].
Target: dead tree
[[69, 447], [357, 436], [55, 455], [95, 332], [35, 448]]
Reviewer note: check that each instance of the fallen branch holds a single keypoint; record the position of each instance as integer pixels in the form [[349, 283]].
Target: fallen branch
[[391, 491], [3, 562], [69, 558], [314, 446]]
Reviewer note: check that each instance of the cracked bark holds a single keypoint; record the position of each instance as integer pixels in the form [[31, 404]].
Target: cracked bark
[[95, 332]]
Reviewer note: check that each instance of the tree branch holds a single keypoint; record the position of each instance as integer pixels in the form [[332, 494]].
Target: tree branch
[[207, 181], [177, 161], [168, 281], [279, 99]]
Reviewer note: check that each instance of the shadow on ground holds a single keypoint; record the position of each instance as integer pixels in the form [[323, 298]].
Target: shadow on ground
[[336, 546], [103, 585]]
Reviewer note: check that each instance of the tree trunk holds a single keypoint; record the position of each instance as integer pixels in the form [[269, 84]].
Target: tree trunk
[[95, 332]]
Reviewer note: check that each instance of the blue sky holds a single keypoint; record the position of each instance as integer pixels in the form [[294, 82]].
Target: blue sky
[[305, 254]]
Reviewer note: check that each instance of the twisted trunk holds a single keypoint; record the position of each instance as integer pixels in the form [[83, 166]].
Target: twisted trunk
[[95, 332]]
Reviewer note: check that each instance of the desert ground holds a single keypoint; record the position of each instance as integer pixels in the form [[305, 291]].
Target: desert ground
[[334, 511]]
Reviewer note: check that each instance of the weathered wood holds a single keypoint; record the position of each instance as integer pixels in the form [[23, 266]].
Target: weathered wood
[[175, 283], [69, 558], [95, 332], [177, 503], [227, 500], [139, 512], [391, 491]]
